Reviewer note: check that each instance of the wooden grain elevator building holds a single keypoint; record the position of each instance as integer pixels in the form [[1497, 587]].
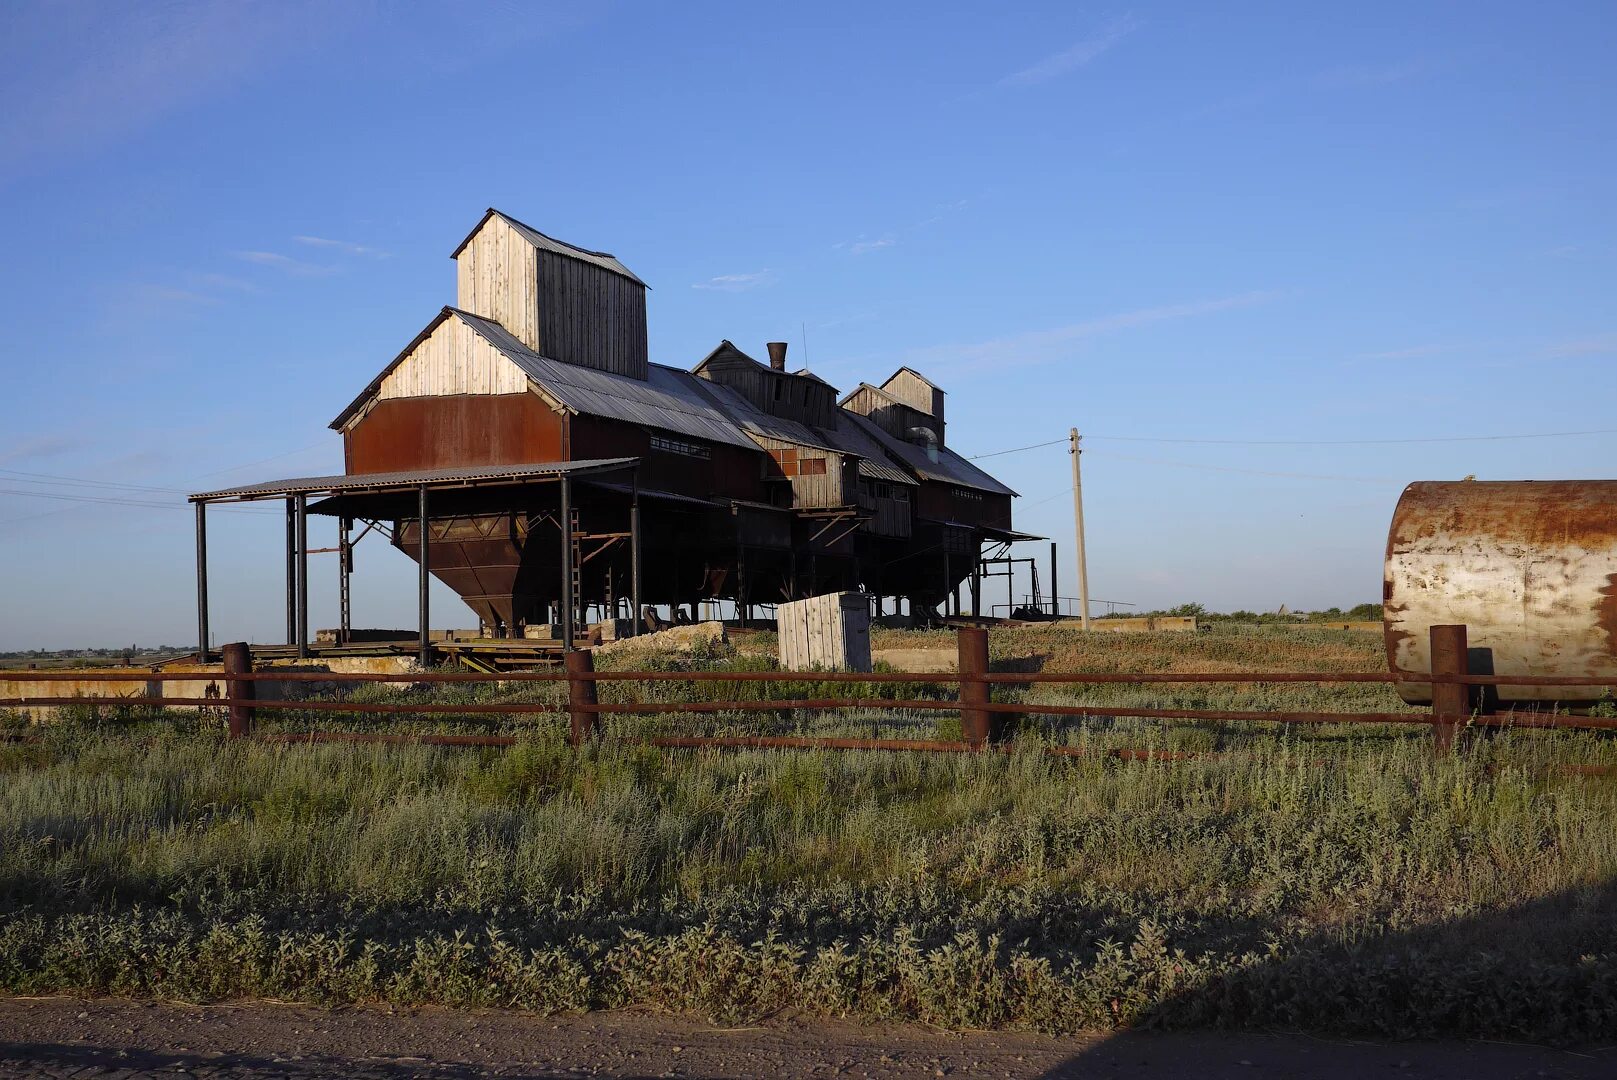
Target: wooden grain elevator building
[[525, 448]]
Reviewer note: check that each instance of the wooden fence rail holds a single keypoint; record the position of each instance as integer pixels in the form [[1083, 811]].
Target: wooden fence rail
[[1455, 703]]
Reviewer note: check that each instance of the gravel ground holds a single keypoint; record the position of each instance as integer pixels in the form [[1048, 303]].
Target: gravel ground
[[123, 1040]]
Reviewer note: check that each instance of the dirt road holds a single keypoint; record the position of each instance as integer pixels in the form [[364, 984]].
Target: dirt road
[[123, 1040]]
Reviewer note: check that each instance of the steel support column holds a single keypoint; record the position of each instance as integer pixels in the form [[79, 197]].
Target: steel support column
[[1055, 591], [634, 556], [422, 581], [291, 570], [566, 601], [345, 567], [202, 582], [303, 576]]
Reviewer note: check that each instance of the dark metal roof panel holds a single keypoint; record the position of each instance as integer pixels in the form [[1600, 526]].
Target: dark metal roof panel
[[873, 460], [667, 398], [460, 477], [755, 421], [950, 468]]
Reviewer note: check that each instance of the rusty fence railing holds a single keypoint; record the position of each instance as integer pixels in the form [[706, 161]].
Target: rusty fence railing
[[1457, 699]]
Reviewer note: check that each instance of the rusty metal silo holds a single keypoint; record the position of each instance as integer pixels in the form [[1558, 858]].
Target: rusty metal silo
[[1530, 568]]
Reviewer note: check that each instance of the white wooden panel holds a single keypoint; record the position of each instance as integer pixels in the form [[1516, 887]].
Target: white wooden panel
[[453, 360], [497, 277], [830, 632]]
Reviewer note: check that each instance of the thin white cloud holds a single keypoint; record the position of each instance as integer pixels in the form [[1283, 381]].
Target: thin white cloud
[[169, 294], [1412, 353], [1598, 345], [221, 281], [285, 263], [1044, 346], [41, 446], [80, 75], [736, 282], [861, 247], [1075, 57], [343, 246], [1376, 74]]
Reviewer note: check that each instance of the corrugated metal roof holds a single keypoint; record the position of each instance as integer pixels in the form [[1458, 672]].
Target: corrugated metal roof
[[873, 460], [668, 398], [846, 439], [950, 468], [755, 421], [461, 477], [549, 243]]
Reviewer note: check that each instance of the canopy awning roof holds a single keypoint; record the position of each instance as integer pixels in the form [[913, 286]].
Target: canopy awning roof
[[432, 479]]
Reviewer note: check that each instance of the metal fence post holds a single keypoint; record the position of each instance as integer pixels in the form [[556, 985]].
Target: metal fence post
[[1451, 701], [239, 661], [580, 693], [976, 725]]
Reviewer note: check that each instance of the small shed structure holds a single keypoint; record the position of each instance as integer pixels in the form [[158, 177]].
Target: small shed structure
[[825, 633]]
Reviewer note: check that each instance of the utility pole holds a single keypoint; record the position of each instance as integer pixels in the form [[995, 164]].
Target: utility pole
[[1078, 520]]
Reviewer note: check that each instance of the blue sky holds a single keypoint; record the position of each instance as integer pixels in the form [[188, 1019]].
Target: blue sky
[[1152, 222]]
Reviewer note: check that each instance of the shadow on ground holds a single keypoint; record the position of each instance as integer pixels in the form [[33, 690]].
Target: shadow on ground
[[1497, 979]]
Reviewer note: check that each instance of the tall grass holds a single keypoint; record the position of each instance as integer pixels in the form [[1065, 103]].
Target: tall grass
[[1339, 880]]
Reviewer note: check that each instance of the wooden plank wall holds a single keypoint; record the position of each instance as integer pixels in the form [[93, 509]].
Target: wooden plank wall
[[829, 633], [806, 400], [892, 514], [591, 317], [453, 360], [916, 392], [809, 490], [497, 277]]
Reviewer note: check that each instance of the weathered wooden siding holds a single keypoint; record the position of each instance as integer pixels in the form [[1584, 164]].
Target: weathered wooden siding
[[497, 277], [818, 477], [947, 502], [561, 307], [890, 506], [591, 317], [454, 360], [893, 417], [917, 393], [829, 632], [727, 472], [449, 432], [778, 393]]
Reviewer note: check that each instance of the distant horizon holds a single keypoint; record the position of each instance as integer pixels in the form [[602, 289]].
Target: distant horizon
[[1343, 613]]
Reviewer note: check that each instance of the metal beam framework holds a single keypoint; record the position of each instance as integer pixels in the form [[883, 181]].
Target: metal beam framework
[[202, 583], [302, 502], [291, 569], [566, 597], [634, 555], [423, 578], [295, 495]]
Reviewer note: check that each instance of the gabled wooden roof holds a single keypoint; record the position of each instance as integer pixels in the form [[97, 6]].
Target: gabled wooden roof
[[604, 260]]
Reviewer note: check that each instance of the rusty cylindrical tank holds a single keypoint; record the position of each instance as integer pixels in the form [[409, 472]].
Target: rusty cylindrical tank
[[1530, 568]]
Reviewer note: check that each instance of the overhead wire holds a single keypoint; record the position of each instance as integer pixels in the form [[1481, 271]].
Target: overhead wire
[[1304, 442]]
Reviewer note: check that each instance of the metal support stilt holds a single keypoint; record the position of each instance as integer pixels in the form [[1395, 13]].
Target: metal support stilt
[[202, 582]]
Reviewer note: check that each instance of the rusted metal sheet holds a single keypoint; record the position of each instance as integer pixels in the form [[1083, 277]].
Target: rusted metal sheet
[[1528, 567], [455, 432]]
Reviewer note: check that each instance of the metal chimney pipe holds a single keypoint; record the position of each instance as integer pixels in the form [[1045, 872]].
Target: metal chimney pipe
[[777, 355]]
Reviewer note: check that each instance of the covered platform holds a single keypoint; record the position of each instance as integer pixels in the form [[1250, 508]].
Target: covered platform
[[460, 501]]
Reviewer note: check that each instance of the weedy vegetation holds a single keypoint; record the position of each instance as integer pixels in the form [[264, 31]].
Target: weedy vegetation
[[1337, 879]]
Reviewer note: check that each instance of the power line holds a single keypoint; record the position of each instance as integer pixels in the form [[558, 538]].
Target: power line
[[17, 475], [79, 481], [1017, 450], [108, 500], [1355, 442], [1306, 442], [1251, 472]]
